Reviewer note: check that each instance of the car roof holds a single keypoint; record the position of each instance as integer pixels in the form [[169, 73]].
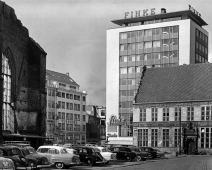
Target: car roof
[[52, 147]]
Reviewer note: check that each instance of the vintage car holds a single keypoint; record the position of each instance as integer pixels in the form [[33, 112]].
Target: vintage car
[[89, 155], [6, 164], [150, 150], [29, 152], [124, 153], [58, 156], [108, 155], [71, 151], [15, 154], [141, 155], [160, 154]]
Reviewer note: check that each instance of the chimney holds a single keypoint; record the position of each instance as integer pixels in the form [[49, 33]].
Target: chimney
[[163, 10]]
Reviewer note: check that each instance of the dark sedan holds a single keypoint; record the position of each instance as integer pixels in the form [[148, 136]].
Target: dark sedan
[[30, 153], [140, 155], [124, 153], [89, 156], [150, 150], [15, 154]]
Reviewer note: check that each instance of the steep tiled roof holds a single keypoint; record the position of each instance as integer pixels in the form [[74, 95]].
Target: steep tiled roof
[[63, 78], [176, 84]]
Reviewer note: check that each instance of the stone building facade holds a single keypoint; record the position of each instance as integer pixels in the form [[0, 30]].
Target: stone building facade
[[173, 109], [23, 83]]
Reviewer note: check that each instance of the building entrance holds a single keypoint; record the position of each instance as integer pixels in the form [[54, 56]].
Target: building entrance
[[190, 141], [190, 146]]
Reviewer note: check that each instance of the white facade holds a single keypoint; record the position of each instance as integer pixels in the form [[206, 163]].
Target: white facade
[[186, 56]]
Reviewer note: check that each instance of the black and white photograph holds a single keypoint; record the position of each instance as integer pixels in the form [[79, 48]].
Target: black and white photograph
[[106, 85]]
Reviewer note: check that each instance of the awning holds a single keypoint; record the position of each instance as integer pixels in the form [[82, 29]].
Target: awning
[[120, 141], [25, 136]]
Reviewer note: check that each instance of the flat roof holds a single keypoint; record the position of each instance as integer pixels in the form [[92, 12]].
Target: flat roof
[[184, 14]]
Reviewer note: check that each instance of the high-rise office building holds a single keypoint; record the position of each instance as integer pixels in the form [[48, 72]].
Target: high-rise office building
[[151, 38], [66, 109]]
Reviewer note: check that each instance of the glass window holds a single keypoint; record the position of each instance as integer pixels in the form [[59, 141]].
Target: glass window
[[190, 113], [142, 137], [131, 58], [123, 70], [123, 82], [156, 44], [165, 114], [123, 59], [123, 47], [123, 36], [148, 32], [148, 45], [156, 31], [139, 57], [154, 114], [139, 69], [131, 69], [131, 81], [142, 115], [165, 137]]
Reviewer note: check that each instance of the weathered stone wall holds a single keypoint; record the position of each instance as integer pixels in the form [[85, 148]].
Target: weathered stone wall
[[28, 66]]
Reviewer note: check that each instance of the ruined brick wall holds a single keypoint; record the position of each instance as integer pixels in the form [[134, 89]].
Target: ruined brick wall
[[28, 66]]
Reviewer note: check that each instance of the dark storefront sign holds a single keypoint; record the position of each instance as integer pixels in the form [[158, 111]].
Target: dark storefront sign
[[172, 124]]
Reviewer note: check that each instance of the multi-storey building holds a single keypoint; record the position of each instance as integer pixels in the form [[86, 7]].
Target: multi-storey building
[[66, 109], [154, 39], [173, 109]]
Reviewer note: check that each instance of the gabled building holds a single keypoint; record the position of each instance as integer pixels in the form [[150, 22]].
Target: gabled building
[[66, 109], [173, 108]]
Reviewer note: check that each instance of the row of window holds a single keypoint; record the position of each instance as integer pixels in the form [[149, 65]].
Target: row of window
[[201, 37], [206, 114], [149, 34], [52, 92], [65, 116], [65, 126], [150, 46], [65, 105], [200, 59], [164, 56], [205, 137]]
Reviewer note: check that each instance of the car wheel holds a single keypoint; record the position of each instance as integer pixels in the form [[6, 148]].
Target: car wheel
[[128, 158], [138, 158], [59, 165], [90, 162], [143, 159]]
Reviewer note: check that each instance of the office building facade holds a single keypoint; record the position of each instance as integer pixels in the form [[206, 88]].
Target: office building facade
[[154, 40], [66, 109]]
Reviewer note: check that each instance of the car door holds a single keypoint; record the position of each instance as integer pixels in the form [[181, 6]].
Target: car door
[[118, 154], [82, 152]]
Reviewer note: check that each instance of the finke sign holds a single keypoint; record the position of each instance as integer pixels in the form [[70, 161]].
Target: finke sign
[[114, 121], [139, 13]]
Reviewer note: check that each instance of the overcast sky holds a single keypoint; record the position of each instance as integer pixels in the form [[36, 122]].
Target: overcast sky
[[73, 33]]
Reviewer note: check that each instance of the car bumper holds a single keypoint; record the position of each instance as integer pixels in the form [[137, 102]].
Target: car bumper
[[43, 166]]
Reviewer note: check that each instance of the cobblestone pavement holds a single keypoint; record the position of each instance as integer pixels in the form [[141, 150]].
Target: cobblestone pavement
[[197, 162]]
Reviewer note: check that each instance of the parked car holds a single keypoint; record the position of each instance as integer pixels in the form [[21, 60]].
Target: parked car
[[150, 150], [15, 154], [71, 151], [140, 155], [89, 155], [6, 164], [160, 154], [30, 153], [124, 153], [108, 155], [58, 156]]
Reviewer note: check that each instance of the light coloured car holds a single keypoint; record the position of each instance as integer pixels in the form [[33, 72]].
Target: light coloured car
[[6, 164], [58, 156], [105, 153], [71, 151]]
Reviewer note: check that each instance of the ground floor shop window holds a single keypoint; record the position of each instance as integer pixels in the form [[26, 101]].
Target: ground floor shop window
[[165, 137], [154, 137], [206, 137], [142, 137]]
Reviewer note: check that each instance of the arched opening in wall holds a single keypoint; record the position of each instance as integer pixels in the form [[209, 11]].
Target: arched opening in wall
[[8, 105]]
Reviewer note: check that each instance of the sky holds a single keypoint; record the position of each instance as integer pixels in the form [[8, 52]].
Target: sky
[[73, 33]]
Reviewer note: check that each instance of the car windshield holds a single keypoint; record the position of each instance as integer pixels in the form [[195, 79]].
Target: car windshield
[[63, 151], [31, 150]]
